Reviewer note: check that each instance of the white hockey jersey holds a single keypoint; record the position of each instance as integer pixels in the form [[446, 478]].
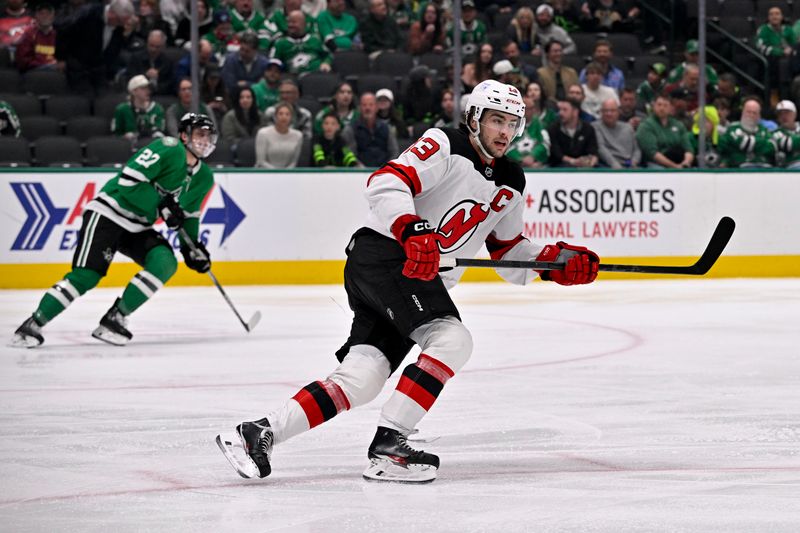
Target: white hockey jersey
[[442, 179]]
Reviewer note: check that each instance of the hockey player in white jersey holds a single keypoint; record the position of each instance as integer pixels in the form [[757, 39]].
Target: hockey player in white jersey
[[449, 194]]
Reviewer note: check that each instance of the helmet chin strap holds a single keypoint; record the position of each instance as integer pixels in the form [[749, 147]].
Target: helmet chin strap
[[476, 136]]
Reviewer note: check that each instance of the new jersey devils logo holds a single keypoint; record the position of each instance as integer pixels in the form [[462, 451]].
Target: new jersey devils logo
[[458, 224], [462, 220]]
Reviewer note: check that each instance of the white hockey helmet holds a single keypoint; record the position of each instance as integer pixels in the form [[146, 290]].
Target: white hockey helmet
[[492, 94]]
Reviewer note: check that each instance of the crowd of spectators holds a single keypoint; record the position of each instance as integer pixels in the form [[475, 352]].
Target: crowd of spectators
[[584, 107]]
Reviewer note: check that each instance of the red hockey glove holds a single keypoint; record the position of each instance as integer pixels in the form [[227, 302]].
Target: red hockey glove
[[580, 268], [419, 243]]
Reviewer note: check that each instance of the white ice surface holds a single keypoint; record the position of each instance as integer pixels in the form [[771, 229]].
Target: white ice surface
[[620, 406]]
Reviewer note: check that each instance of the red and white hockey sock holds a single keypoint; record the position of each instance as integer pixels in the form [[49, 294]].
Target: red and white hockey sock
[[417, 390], [314, 404]]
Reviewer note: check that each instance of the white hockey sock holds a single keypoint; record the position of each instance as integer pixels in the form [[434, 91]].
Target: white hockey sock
[[446, 346], [418, 388]]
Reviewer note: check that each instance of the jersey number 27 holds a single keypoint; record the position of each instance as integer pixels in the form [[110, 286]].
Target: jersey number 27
[[147, 158]]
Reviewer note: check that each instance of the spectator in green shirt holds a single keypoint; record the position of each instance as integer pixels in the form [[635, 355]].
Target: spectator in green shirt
[[787, 137], [664, 140], [338, 29], [300, 50], [747, 143], [139, 116], [9, 121], [776, 40], [266, 90]]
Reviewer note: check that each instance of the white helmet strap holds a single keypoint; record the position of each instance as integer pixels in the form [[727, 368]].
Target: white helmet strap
[[475, 113]]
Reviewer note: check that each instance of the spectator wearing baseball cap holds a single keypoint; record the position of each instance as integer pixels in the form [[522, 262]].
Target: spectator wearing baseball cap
[[505, 72], [389, 113], [691, 55], [140, 116], [266, 89], [473, 30], [787, 137], [652, 86], [547, 30], [36, 49]]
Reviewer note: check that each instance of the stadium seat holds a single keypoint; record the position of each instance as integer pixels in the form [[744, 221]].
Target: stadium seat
[[319, 84], [397, 64], [624, 44], [502, 20], [165, 100], [82, 127], [373, 82], [350, 62], [14, 152], [58, 151], [24, 104], [221, 156], [105, 105], [246, 153], [5, 58], [174, 53], [44, 82], [740, 27], [435, 61], [37, 126], [312, 104], [9, 80], [584, 42], [65, 106], [107, 151]]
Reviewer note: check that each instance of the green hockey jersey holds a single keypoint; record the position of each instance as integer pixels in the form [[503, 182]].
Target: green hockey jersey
[[305, 54], [265, 95], [787, 145], [676, 74], [534, 142], [278, 19], [131, 198], [343, 30], [738, 146], [148, 122], [9, 121], [472, 36], [770, 42]]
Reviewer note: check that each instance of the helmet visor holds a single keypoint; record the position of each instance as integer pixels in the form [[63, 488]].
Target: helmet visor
[[203, 142]]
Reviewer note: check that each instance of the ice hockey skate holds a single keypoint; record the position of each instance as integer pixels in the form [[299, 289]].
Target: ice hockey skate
[[28, 335], [256, 438], [392, 459], [112, 327]]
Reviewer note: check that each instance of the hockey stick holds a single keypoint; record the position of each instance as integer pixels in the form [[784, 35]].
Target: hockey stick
[[250, 324], [712, 252]]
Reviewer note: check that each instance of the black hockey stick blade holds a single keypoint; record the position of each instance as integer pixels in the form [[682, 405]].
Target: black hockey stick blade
[[719, 240]]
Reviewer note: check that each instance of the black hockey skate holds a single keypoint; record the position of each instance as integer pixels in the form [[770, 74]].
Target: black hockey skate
[[392, 459], [112, 327], [256, 440], [28, 335]]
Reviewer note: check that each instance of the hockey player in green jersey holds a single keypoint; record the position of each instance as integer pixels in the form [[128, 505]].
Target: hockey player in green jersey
[[166, 179], [787, 137], [747, 143]]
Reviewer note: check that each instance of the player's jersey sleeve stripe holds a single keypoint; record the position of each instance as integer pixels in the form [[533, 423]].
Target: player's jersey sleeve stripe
[[407, 174], [133, 175], [497, 248]]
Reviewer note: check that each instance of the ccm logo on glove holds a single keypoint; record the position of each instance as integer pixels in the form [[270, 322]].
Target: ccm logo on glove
[[420, 245]]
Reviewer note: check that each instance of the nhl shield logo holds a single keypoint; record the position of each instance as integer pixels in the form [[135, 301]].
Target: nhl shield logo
[[488, 172]]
